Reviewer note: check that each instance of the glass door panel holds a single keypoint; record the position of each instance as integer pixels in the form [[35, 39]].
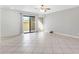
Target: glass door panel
[[32, 24], [26, 24]]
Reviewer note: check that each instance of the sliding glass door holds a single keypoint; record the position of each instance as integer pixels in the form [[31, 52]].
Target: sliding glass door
[[32, 24], [28, 24]]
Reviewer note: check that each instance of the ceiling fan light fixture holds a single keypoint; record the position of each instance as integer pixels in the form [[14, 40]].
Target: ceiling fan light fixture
[[41, 10], [44, 8]]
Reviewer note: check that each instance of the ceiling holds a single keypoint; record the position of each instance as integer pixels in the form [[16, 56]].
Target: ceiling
[[36, 8]]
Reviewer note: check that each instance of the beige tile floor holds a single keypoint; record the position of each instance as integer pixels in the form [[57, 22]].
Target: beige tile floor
[[39, 43]]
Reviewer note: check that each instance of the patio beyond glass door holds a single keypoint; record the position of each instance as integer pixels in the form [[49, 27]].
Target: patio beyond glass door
[[28, 24]]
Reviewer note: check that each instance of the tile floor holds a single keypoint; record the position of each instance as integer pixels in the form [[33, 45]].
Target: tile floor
[[39, 43]]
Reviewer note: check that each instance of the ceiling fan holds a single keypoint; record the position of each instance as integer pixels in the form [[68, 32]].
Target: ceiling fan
[[43, 8]]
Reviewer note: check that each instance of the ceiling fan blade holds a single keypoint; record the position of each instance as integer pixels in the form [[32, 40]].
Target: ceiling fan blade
[[48, 9]]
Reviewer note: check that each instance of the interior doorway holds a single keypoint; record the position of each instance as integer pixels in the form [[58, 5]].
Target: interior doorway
[[28, 24]]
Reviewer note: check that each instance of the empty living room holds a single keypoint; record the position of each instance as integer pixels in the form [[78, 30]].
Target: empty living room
[[39, 29]]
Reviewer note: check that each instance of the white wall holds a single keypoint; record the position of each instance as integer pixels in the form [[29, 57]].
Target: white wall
[[66, 21], [36, 23], [10, 23], [0, 23]]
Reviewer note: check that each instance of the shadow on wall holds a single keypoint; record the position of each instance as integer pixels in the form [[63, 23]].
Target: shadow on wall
[[40, 24]]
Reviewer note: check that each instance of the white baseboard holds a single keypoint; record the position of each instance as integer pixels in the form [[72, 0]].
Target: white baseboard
[[67, 35], [11, 36]]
